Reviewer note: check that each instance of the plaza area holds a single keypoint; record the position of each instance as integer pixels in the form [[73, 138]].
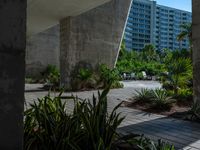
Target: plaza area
[[183, 134]]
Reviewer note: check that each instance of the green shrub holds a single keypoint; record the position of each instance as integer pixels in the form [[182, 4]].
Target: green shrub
[[194, 112], [161, 100], [184, 95], [30, 80], [84, 74], [83, 80], [116, 85], [51, 75], [139, 76], [157, 98], [143, 143], [96, 79], [143, 95], [100, 127], [164, 146], [147, 60], [179, 74], [48, 126], [146, 144], [108, 75], [170, 93], [167, 85]]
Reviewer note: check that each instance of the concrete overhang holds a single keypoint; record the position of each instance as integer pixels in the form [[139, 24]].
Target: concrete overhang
[[43, 14]]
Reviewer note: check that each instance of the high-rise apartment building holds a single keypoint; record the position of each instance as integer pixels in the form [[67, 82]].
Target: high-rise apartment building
[[150, 23]]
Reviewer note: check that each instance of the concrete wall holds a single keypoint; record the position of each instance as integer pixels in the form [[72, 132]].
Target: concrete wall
[[42, 49], [12, 64], [196, 48], [92, 38]]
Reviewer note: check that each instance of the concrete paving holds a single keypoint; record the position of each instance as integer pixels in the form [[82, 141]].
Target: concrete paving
[[183, 134], [141, 84]]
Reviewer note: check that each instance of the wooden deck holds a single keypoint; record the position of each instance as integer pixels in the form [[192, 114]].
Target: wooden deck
[[183, 134]]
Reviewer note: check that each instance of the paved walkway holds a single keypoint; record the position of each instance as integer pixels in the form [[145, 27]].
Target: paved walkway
[[183, 134]]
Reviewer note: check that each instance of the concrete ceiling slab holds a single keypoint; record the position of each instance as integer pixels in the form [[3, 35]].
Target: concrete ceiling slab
[[43, 14]]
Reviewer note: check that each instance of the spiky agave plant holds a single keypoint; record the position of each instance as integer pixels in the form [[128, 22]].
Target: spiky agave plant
[[164, 146], [47, 126], [144, 143], [99, 125], [135, 142], [143, 95], [160, 99]]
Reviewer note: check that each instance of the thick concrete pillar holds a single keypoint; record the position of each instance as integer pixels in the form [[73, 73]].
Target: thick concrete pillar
[[12, 56], [92, 38], [196, 48], [42, 49]]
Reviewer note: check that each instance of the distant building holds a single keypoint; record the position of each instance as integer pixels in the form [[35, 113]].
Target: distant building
[[150, 23]]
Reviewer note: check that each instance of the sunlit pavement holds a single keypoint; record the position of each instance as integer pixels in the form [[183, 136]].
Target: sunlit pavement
[[141, 84]]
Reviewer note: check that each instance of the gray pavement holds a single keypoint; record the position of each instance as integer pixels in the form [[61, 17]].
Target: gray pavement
[[183, 134], [141, 84]]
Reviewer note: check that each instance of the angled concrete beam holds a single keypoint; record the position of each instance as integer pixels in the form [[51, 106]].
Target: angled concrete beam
[[92, 38], [43, 14], [12, 66]]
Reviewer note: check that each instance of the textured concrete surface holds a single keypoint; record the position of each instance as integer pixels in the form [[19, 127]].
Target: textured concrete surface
[[12, 64], [142, 84], [196, 48], [92, 38], [183, 134], [41, 50]]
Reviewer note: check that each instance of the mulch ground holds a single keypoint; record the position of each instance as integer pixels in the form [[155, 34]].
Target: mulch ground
[[178, 110]]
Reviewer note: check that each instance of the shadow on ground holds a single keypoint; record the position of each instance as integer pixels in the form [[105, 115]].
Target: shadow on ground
[[183, 134]]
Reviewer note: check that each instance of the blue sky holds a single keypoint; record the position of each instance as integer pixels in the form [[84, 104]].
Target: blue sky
[[179, 4]]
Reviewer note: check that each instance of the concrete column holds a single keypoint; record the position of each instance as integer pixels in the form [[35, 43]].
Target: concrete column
[[92, 38], [12, 54], [196, 48], [42, 49]]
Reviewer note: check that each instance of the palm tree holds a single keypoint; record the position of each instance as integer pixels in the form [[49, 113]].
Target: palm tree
[[186, 32], [149, 53], [179, 73]]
